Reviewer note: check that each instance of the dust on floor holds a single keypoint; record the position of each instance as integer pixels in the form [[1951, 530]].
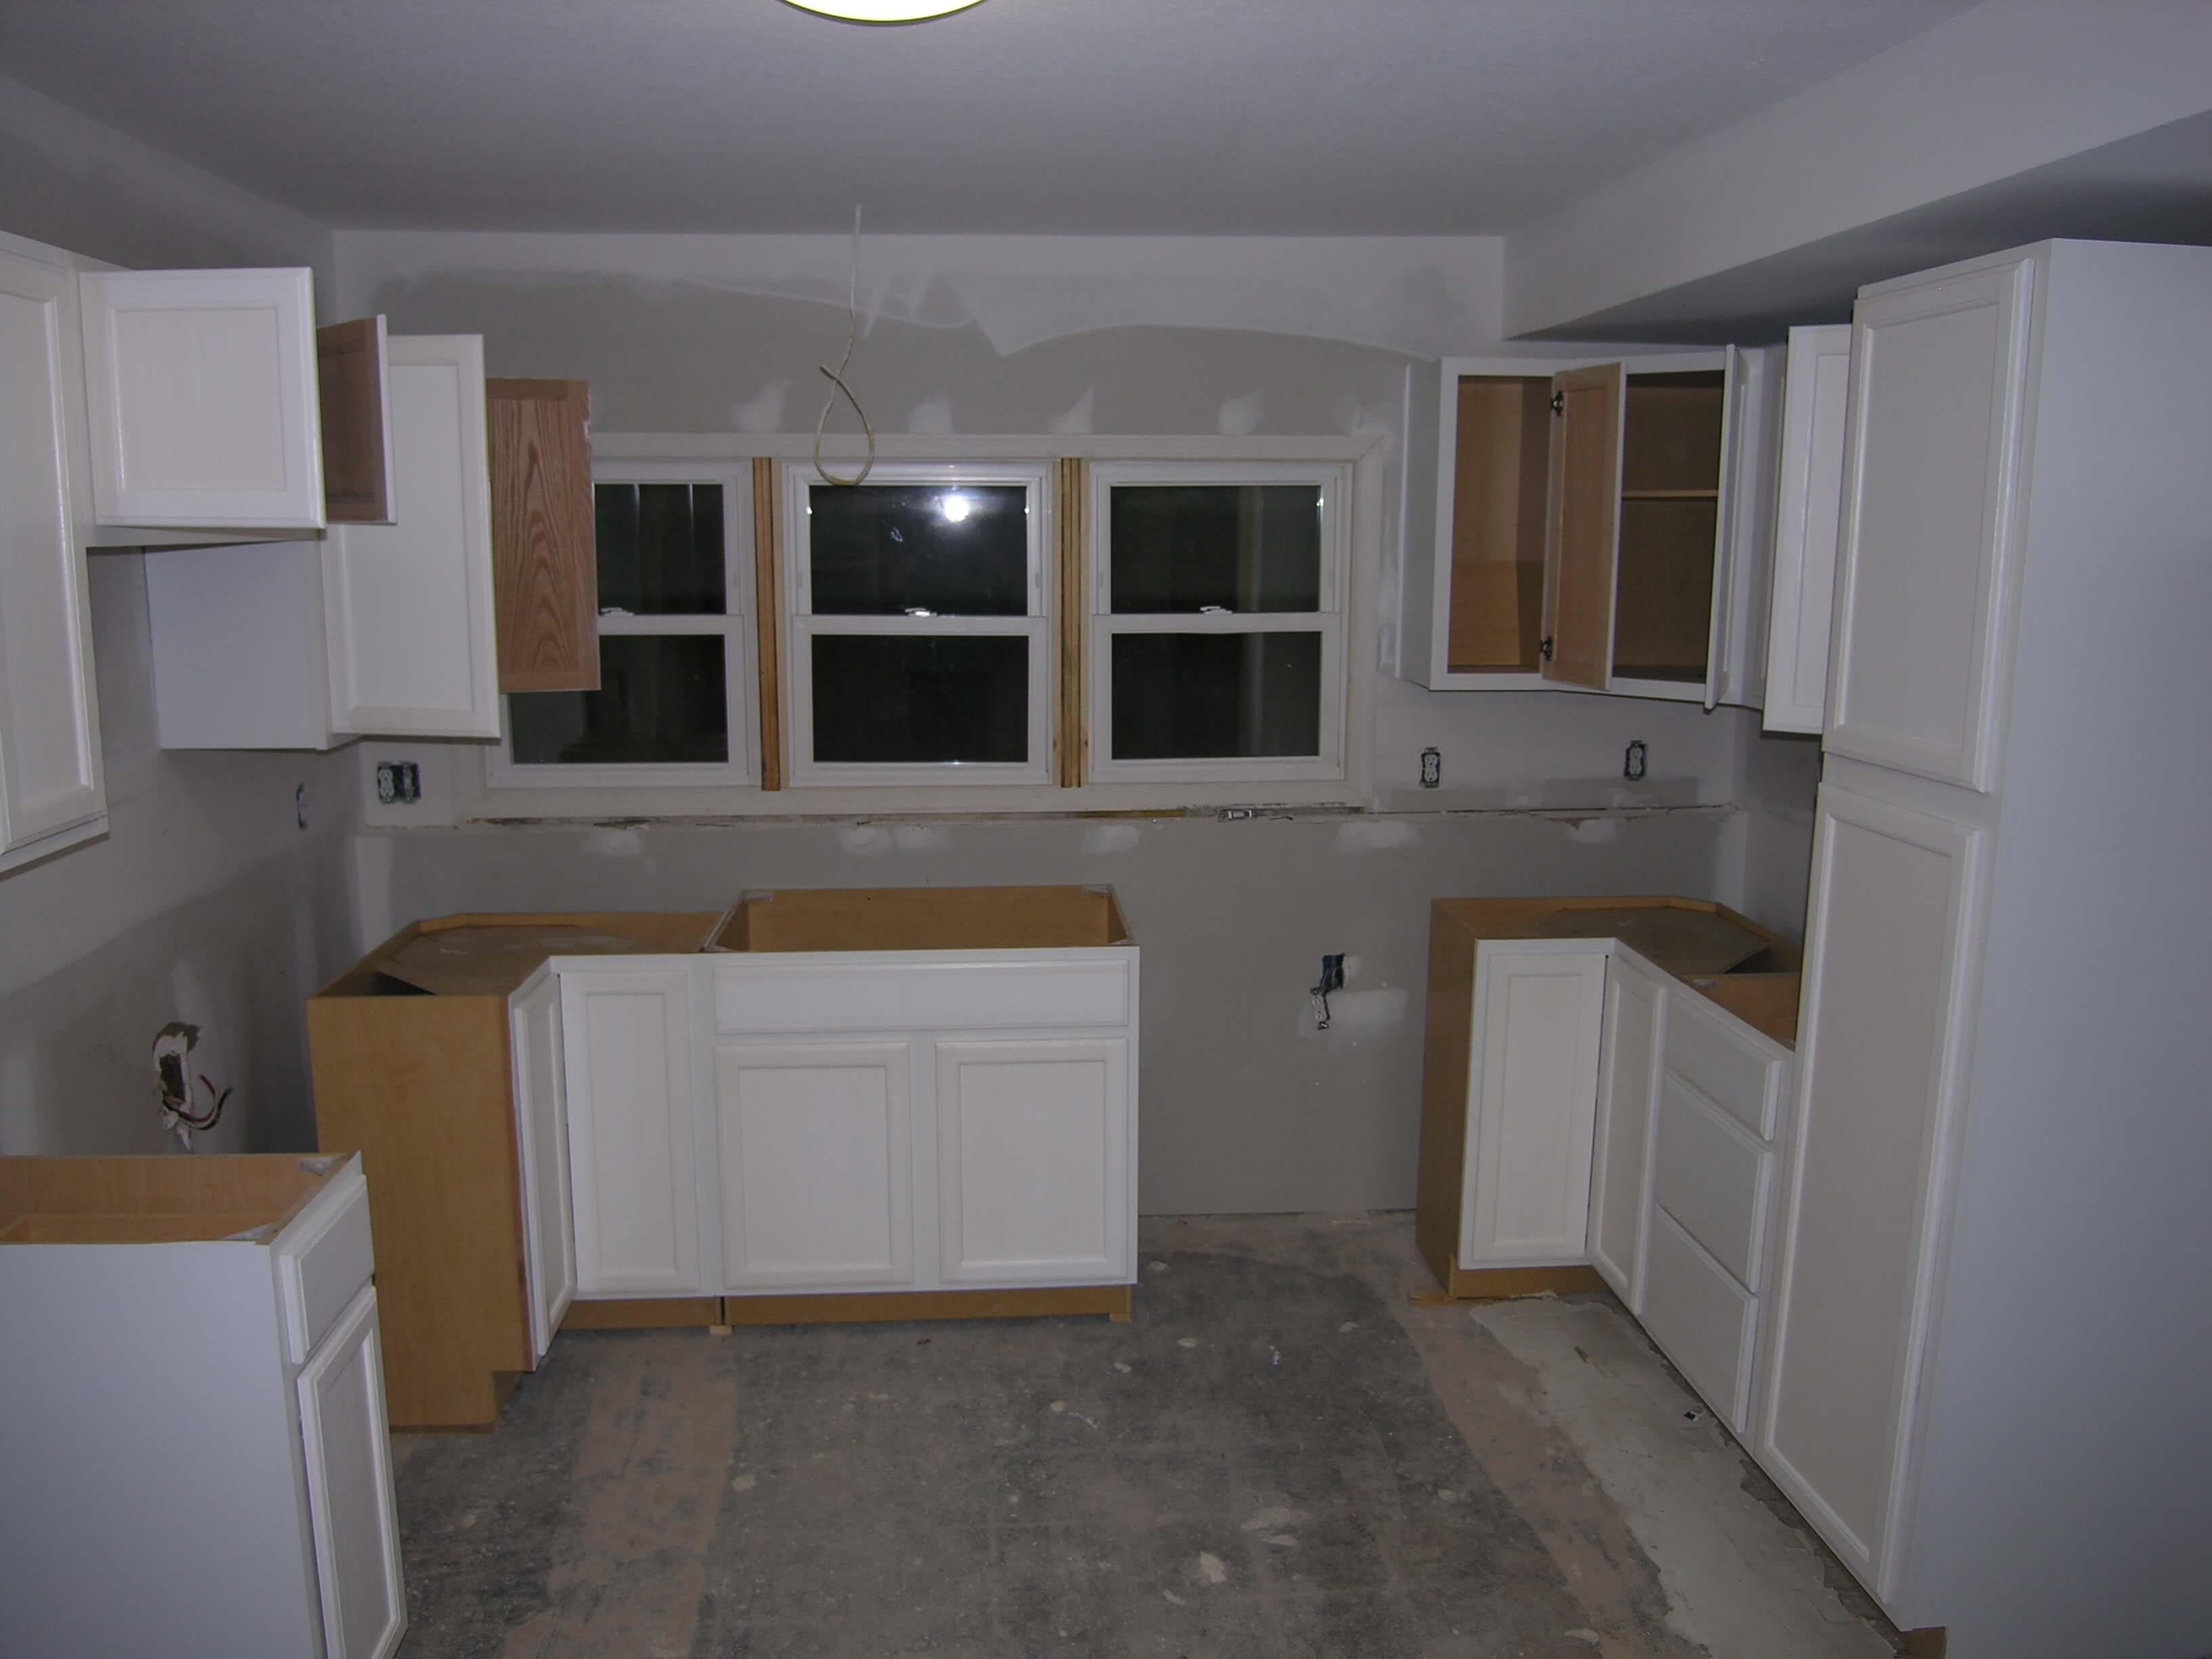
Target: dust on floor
[[1279, 1456]]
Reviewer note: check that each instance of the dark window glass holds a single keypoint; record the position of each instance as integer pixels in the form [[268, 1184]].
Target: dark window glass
[[1192, 697], [889, 699], [660, 549], [950, 550], [661, 700], [1180, 547]]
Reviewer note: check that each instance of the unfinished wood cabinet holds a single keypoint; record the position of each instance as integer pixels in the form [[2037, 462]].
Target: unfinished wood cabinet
[[543, 562], [352, 368], [1598, 525]]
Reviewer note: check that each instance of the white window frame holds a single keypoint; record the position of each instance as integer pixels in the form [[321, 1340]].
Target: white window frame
[[735, 625], [1333, 482], [801, 627]]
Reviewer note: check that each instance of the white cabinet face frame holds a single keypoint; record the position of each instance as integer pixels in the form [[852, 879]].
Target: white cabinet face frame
[[202, 397], [634, 1141], [816, 1164], [408, 605], [802, 627], [1532, 1069], [1925, 584], [1816, 396], [1034, 1164], [1944, 900], [354, 1514], [1636, 1008], [541, 1126], [52, 789], [1333, 490]]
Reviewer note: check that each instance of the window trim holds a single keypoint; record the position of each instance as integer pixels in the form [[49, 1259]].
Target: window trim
[[801, 625], [1328, 619], [735, 624]]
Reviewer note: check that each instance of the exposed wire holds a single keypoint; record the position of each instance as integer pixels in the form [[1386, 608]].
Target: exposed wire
[[836, 376]]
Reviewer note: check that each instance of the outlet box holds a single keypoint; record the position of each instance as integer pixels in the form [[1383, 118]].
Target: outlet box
[[398, 783], [1332, 972]]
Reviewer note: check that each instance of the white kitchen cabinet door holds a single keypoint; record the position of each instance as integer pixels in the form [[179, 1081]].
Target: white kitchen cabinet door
[[1538, 1008], [1033, 1162], [816, 1143], [201, 397], [52, 792], [408, 605], [1884, 1038], [353, 1516], [1929, 524], [1628, 1082], [633, 1157], [541, 1133], [1815, 396]]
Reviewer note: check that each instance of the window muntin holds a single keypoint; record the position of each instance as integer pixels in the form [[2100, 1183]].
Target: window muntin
[[916, 607], [675, 579], [1216, 621]]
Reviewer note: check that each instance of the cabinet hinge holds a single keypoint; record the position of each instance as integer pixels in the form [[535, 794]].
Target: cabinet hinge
[[1558, 402], [1544, 648]]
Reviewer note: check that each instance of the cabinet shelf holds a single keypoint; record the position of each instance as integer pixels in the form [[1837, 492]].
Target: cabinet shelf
[[1670, 494]]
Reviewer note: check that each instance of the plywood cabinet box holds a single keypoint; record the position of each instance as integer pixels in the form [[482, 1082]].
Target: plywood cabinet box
[[1602, 1100], [1598, 525], [191, 1412]]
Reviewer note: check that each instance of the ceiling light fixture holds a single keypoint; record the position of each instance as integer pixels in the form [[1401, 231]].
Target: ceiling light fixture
[[883, 11]]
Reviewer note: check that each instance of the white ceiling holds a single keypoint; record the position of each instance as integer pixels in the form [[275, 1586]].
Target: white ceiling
[[1226, 117]]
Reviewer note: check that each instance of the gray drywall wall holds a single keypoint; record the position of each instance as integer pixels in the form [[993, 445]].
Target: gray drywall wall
[[1243, 1105], [205, 902], [1777, 774]]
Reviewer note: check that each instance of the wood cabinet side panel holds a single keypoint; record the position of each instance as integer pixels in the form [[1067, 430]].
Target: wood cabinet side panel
[[350, 380], [1445, 1047], [419, 1087], [544, 563]]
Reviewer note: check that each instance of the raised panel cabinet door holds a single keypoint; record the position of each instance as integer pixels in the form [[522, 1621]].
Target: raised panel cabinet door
[[541, 1133], [201, 397], [1627, 1087], [1033, 1162], [1815, 394], [407, 607], [1925, 562], [52, 792], [626, 1037], [1539, 1013], [817, 1148], [1582, 541], [352, 1512], [1866, 1183]]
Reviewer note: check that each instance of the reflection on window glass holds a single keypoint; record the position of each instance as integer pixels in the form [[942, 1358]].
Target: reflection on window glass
[[660, 547], [950, 550], [662, 700], [910, 699], [1192, 697], [1245, 548]]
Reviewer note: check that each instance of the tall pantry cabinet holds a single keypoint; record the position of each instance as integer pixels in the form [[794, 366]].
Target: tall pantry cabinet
[[1984, 1382]]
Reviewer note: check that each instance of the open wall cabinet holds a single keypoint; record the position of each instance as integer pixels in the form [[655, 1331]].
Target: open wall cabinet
[[1599, 525]]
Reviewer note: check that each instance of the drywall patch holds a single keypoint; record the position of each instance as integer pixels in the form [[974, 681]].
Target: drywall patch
[[1103, 838], [865, 841], [1240, 416], [1368, 1011], [931, 415], [609, 843], [1375, 836], [917, 838], [1079, 418], [763, 410], [1593, 832]]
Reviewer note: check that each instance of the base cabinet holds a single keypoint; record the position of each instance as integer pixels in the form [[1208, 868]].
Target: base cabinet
[[349, 1490], [1636, 998]]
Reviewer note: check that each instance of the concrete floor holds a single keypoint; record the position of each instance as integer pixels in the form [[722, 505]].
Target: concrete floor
[[1279, 1456]]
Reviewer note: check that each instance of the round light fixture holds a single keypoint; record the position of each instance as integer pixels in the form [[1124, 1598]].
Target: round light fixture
[[883, 11]]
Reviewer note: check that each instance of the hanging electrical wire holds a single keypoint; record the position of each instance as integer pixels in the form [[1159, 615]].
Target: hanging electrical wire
[[836, 376]]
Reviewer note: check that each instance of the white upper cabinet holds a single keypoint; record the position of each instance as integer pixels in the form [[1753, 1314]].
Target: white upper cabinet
[[201, 391], [1928, 523], [376, 630], [1808, 504], [51, 795], [1598, 526]]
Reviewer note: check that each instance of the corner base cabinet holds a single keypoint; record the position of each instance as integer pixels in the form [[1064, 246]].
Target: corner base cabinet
[[193, 1412]]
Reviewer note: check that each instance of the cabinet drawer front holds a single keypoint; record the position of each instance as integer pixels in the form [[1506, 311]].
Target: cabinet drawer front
[[1718, 1060], [1710, 1177], [323, 1259], [1704, 1318], [912, 996]]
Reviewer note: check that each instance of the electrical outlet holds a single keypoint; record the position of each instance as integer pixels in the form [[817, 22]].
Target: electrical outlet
[[1634, 763], [398, 783], [1432, 768]]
